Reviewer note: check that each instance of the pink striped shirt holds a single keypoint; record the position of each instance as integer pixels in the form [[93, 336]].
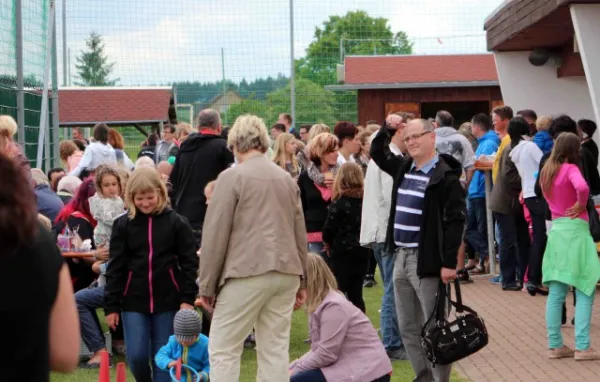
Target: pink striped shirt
[[568, 187]]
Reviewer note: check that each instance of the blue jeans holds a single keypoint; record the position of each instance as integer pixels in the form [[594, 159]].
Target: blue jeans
[[476, 234], [319, 248], [583, 315], [316, 375], [145, 334], [390, 333], [88, 300]]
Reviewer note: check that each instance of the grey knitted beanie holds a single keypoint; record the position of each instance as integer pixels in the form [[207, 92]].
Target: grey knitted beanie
[[186, 325]]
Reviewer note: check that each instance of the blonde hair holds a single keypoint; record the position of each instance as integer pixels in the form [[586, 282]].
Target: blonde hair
[[322, 145], [249, 133], [8, 126], [39, 178], [373, 127], [317, 129], [145, 180], [182, 130], [124, 175], [144, 161], [45, 222], [319, 282], [103, 170], [349, 177], [281, 156], [543, 123]]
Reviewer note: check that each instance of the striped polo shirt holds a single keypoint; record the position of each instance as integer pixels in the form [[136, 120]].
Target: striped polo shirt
[[409, 204]]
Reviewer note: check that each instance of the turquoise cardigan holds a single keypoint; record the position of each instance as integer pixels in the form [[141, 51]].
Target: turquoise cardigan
[[571, 256]]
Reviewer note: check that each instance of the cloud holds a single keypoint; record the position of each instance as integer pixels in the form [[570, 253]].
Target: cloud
[[157, 41]]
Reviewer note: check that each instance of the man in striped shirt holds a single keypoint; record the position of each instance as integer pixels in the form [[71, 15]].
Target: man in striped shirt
[[425, 230]]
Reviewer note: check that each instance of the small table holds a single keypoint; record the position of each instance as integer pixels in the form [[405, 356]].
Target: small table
[[487, 171], [77, 255]]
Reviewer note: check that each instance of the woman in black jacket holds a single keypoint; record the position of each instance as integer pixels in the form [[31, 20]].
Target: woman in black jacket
[[316, 183], [151, 274], [341, 233]]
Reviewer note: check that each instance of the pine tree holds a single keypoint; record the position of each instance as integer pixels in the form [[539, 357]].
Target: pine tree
[[92, 66]]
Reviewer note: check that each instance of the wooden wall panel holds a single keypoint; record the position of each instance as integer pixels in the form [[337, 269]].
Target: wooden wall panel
[[372, 103]]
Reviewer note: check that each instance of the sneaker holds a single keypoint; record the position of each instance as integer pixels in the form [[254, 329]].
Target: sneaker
[[397, 354], [496, 280], [563, 352], [586, 355]]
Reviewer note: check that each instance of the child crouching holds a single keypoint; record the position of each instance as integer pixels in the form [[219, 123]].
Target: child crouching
[[187, 344]]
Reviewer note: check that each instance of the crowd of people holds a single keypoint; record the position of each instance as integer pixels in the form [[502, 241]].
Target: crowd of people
[[181, 228]]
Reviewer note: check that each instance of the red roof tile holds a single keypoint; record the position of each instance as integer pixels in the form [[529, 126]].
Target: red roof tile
[[93, 105], [420, 69]]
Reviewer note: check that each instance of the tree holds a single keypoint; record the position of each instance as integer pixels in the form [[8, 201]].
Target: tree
[[361, 35], [247, 106], [92, 66], [315, 103]]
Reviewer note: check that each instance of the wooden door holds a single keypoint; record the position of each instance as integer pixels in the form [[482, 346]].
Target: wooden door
[[407, 107], [495, 103]]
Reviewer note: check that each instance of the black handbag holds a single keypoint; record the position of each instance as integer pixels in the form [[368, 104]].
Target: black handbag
[[446, 342], [594, 220]]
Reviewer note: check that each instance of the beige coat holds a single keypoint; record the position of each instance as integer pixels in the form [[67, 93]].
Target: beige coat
[[254, 224]]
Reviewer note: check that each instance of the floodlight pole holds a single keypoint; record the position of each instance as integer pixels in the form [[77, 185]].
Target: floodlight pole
[[64, 43], [293, 66], [44, 108]]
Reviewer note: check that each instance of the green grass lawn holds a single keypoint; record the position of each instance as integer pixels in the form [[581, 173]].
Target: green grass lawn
[[402, 370]]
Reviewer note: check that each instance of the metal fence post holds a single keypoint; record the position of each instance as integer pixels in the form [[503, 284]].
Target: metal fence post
[[20, 77]]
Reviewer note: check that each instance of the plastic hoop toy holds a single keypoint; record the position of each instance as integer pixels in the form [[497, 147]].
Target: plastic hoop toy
[[173, 370]]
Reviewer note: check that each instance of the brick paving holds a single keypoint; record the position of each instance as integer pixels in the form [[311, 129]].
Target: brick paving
[[517, 347]]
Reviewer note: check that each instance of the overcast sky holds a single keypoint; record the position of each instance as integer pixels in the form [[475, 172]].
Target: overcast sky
[[158, 41]]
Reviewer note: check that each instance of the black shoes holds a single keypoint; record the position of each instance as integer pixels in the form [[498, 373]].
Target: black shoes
[[512, 288], [369, 281]]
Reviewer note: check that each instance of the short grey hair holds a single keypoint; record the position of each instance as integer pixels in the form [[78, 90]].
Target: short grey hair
[[69, 183], [427, 125], [209, 118], [249, 133], [444, 118]]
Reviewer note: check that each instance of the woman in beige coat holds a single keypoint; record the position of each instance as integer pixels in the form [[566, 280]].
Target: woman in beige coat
[[253, 257]]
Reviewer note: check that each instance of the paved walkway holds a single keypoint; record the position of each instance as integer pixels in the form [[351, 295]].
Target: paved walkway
[[517, 347]]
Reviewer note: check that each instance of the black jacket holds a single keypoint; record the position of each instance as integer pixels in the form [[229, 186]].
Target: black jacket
[[153, 264], [342, 227], [444, 206], [200, 160], [313, 205]]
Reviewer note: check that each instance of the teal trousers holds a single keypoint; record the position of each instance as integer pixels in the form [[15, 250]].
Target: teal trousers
[[583, 315]]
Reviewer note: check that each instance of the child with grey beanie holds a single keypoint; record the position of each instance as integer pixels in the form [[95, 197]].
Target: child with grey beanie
[[188, 344]]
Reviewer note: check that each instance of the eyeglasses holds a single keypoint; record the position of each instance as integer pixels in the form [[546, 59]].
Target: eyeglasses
[[415, 137]]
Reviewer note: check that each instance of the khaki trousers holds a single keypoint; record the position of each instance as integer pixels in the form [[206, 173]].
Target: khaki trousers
[[264, 303]]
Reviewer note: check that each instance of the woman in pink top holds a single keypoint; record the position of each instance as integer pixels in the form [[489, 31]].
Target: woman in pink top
[[345, 346], [570, 258]]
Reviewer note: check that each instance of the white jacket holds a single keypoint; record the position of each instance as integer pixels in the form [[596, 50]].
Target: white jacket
[[95, 155], [377, 202], [527, 156]]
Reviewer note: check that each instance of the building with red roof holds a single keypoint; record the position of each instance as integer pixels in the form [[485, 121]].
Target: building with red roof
[[464, 85], [116, 106]]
